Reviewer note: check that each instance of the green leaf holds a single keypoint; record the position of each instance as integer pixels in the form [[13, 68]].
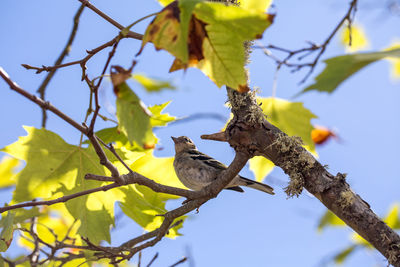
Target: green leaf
[[291, 117], [7, 171], [95, 222], [392, 219], [113, 135], [52, 164], [152, 85], [143, 206], [261, 167], [227, 27], [329, 219], [210, 39], [6, 233], [157, 119], [134, 117], [343, 255], [21, 215], [48, 163], [338, 69]]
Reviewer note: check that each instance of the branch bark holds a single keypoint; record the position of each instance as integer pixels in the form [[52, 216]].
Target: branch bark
[[251, 133]]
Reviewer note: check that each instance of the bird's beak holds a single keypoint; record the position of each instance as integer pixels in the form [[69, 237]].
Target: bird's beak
[[174, 139]]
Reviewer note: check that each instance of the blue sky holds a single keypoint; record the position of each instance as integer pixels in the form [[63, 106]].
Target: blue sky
[[250, 229]]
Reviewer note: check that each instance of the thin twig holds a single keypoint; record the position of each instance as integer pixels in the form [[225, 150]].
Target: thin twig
[[96, 88], [41, 102], [64, 53], [304, 52], [82, 62], [179, 262], [60, 199], [130, 34], [152, 260], [82, 128], [136, 178], [353, 5], [111, 148]]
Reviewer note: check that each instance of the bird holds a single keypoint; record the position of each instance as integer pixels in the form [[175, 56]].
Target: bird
[[197, 170]]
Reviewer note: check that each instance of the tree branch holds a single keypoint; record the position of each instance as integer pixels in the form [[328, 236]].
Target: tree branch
[[64, 53], [82, 128], [60, 199], [44, 104], [249, 131], [304, 52], [130, 34]]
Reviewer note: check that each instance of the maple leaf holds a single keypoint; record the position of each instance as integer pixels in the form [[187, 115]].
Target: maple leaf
[[53, 166], [208, 36]]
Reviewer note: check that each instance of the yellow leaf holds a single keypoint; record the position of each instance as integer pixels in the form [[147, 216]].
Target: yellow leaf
[[395, 62], [361, 241], [143, 205], [165, 2], [150, 84], [160, 170], [359, 40], [291, 117], [330, 219], [393, 219], [7, 171], [256, 5], [261, 167]]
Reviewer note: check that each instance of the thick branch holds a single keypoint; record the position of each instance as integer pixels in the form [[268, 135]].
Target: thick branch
[[250, 131]]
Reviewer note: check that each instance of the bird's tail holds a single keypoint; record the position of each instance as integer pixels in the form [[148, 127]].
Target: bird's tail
[[256, 185]]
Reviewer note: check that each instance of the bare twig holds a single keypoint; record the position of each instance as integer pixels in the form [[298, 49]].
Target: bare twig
[[82, 62], [140, 259], [111, 148], [179, 262], [96, 88], [130, 34], [82, 128], [304, 52], [40, 102], [152, 260], [64, 53], [60, 199], [136, 178]]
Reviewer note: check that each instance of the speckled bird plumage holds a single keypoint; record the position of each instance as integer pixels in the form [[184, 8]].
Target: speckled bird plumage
[[196, 169]]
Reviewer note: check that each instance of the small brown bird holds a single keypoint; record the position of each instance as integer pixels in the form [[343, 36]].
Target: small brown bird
[[196, 170]]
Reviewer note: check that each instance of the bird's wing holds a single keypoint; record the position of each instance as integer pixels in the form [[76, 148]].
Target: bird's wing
[[205, 159]]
